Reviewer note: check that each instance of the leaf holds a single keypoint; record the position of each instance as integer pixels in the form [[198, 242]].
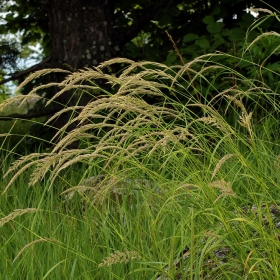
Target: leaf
[[215, 27], [9, 17], [171, 57], [247, 20], [226, 32], [208, 20], [192, 50], [190, 37], [218, 40], [203, 43], [237, 34]]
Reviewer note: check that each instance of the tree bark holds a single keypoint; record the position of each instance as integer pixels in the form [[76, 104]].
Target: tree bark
[[81, 36], [81, 31]]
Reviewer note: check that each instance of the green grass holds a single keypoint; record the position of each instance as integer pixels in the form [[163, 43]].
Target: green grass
[[176, 175], [15, 134], [61, 240]]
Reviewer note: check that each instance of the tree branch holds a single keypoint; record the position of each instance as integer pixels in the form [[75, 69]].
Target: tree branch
[[30, 115], [33, 68], [33, 113]]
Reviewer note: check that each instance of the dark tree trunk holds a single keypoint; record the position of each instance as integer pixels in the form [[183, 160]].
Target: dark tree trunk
[[81, 36], [81, 31]]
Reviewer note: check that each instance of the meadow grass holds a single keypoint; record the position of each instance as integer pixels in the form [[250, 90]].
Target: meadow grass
[[186, 187]]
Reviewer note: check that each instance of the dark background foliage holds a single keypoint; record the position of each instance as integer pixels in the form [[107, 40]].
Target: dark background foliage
[[75, 34]]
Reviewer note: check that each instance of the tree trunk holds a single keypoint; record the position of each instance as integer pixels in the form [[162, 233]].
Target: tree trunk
[[81, 36], [81, 31]]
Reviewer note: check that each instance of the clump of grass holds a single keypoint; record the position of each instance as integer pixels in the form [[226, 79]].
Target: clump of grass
[[126, 126], [165, 176]]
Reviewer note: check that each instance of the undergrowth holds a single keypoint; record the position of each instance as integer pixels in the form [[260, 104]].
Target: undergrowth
[[167, 182]]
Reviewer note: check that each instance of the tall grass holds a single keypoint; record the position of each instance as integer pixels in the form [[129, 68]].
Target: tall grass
[[174, 178]]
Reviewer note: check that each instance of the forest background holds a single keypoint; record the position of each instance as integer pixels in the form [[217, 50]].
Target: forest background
[[72, 35]]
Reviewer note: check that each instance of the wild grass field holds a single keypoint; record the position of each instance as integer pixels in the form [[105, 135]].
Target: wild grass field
[[176, 177]]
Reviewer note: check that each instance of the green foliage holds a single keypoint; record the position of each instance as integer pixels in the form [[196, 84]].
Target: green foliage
[[9, 52], [5, 92], [216, 26], [27, 17], [250, 53]]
